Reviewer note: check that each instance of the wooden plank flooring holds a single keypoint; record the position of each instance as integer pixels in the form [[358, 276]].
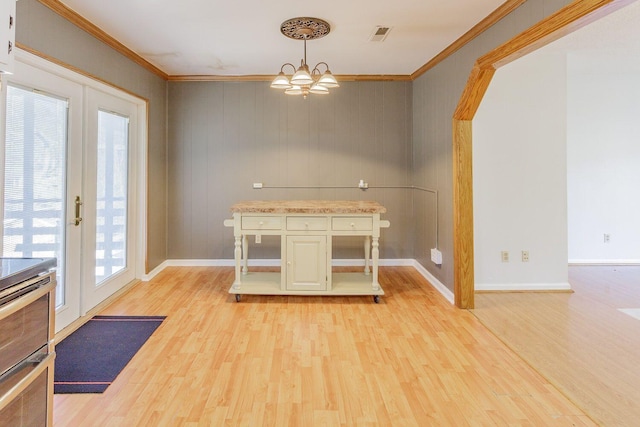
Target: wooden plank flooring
[[580, 341], [412, 360]]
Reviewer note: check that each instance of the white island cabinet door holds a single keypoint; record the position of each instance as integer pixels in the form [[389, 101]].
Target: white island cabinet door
[[306, 263], [7, 34]]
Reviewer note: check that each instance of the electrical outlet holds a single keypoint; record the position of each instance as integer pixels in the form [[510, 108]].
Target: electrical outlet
[[258, 238], [257, 185], [525, 256], [505, 256], [607, 238]]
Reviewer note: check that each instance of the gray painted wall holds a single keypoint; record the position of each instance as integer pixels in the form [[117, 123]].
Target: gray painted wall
[[224, 136], [45, 31], [435, 97]]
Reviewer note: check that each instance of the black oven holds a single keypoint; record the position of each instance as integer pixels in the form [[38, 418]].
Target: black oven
[[27, 312]]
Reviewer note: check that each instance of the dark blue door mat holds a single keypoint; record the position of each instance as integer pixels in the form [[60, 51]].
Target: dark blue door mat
[[90, 359]]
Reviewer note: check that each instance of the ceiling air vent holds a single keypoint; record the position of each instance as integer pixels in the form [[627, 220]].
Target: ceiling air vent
[[379, 34]]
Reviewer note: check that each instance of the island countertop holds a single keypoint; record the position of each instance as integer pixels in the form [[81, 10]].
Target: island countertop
[[309, 207]]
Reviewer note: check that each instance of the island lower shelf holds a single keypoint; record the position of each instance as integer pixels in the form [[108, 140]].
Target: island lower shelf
[[269, 283]]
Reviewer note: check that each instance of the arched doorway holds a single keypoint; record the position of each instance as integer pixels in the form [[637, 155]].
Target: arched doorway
[[572, 17]]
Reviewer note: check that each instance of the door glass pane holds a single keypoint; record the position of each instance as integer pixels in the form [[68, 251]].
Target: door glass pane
[[35, 178], [111, 195]]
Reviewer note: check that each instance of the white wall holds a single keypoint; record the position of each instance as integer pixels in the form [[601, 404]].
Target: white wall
[[520, 199], [603, 143]]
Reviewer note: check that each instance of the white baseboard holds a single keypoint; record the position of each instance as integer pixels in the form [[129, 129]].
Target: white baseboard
[[276, 263], [514, 287], [446, 292], [153, 273], [604, 262]]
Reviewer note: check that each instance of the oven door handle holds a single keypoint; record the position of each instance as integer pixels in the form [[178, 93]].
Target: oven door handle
[[21, 385], [20, 303]]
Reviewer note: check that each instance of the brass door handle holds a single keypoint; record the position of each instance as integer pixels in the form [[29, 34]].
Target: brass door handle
[[78, 217]]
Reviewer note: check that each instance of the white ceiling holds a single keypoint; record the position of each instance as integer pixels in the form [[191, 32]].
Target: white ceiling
[[230, 38]]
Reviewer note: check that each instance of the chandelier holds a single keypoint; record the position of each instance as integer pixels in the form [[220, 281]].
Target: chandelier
[[302, 81]]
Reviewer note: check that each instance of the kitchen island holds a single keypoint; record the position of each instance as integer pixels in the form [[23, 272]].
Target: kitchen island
[[306, 229]]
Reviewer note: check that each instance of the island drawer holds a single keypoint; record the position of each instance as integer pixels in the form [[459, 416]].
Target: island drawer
[[261, 223], [302, 223], [352, 224]]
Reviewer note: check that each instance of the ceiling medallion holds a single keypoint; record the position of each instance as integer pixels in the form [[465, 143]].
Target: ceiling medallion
[[303, 81], [305, 28]]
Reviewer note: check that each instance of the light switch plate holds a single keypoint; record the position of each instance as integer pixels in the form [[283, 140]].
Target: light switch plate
[[436, 256]]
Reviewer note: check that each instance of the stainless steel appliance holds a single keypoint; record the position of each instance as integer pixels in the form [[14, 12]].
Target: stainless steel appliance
[[27, 312]]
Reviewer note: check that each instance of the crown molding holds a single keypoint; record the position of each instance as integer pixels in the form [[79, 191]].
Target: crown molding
[[506, 8], [84, 24]]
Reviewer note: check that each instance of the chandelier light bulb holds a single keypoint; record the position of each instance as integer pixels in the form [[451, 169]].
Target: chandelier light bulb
[[281, 81], [294, 90], [319, 89], [302, 76], [327, 80]]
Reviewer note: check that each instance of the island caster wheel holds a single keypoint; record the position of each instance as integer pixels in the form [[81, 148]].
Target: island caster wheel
[[238, 297], [376, 299]]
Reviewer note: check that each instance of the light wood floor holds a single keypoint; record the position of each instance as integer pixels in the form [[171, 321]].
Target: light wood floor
[[580, 341], [412, 360]]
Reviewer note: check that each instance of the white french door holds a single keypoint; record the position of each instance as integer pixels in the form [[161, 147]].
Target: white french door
[[42, 152], [109, 196], [69, 160]]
